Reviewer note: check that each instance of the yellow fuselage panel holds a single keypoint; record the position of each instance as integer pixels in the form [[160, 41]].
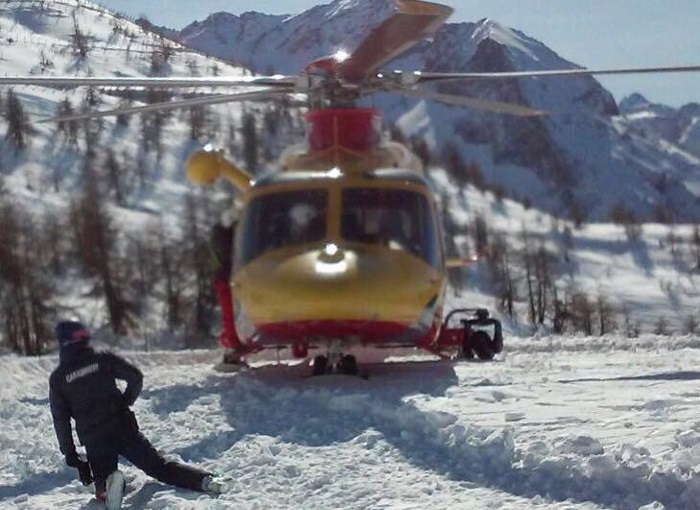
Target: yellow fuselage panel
[[369, 284]]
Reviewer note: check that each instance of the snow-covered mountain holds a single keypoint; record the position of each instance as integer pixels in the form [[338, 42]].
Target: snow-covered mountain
[[680, 127], [582, 158]]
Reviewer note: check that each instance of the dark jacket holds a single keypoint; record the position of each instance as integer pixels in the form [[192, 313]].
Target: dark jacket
[[83, 387]]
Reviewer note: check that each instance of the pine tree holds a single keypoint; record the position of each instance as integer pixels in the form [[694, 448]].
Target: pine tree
[[81, 45], [197, 118], [115, 177], [68, 127], [18, 126]]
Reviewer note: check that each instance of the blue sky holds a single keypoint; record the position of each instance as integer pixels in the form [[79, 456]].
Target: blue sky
[[591, 33]]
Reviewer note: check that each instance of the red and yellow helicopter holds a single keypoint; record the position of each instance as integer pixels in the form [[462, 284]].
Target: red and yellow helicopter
[[342, 246]]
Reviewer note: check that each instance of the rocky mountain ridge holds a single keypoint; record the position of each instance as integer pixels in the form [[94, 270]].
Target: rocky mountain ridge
[[574, 161]]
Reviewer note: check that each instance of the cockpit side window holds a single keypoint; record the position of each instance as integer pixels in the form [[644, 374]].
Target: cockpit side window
[[278, 220], [398, 219]]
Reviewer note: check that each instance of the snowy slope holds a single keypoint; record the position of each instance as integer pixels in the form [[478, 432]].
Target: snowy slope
[[117, 47], [652, 277], [577, 424]]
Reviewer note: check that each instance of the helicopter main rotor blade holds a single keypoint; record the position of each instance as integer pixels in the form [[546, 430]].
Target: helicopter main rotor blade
[[421, 77], [412, 22], [172, 105], [149, 82], [479, 104]]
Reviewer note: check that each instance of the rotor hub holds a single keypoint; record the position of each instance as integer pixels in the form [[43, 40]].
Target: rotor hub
[[357, 129]]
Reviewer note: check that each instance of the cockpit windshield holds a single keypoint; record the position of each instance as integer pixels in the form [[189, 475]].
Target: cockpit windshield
[[398, 219], [277, 220]]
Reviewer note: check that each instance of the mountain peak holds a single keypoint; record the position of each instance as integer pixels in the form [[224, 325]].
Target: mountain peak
[[634, 102], [551, 152]]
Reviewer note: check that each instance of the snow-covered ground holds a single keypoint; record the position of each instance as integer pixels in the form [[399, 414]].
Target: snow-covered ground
[[578, 423], [573, 423]]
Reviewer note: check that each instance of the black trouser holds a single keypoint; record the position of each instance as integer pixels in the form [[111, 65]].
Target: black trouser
[[133, 446]]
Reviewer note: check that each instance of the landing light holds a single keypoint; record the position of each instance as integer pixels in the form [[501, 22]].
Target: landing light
[[341, 56], [334, 173], [331, 249], [331, 261]]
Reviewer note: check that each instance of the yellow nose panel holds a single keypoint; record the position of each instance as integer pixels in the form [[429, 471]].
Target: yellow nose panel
[[365, 283]]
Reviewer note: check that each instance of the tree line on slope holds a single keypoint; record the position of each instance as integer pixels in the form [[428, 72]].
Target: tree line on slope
[[81, 253], [43, 259], [534, 278], [80, 262]]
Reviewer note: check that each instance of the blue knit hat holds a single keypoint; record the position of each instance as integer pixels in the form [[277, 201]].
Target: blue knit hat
[[71, 333]]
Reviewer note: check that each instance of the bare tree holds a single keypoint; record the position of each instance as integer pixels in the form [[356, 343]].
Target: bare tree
[[500, 261], [480, 233], [621, 215], [143, 274], [696, 246], [538, 279], [631, 326], [454, 163], [45, 62], [606, 313], [53, 242], [171, 258], [25, 295], [691, 326], [661, 326], [196, 246], [97, 240], [672, 241], [582, 312], [560, 312]]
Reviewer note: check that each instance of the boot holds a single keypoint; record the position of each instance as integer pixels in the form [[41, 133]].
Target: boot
[[215, 484], [116, 485]]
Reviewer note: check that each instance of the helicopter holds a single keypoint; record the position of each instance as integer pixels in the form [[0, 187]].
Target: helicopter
[[341, 248]]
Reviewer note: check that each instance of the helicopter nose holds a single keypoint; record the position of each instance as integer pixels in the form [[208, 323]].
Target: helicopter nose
[[336, 282]]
